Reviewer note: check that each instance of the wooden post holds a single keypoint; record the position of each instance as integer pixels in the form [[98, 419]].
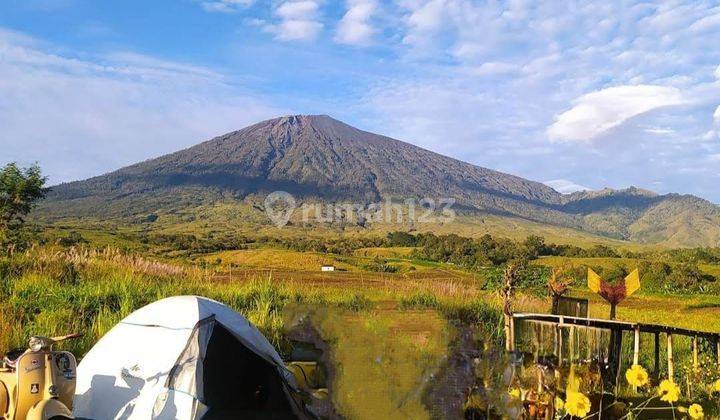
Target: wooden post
[[512, 333], [560, 342], [508, 333], [695, 353], [671, 364], [571, 344], [536, 341], [616, 349], [636, 349], [657, 356]]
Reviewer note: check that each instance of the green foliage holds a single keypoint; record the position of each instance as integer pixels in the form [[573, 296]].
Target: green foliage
[[73, 238], [340, 246], [535, 246], [476, 312], [491, 251], [421, 300], [659, 276], [357, 302], [688, 277], [694, 255], [654, 275], [380, 266], [401, 239], [467, 252], [20, 189]]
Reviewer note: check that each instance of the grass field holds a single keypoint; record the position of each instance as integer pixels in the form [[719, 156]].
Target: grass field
[[383, 358], [387, 331], [52, 291]]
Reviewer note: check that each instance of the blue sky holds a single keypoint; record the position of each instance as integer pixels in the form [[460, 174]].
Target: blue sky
[[575, 94]]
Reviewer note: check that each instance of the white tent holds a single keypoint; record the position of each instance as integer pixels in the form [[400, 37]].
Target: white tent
[[184, 357]]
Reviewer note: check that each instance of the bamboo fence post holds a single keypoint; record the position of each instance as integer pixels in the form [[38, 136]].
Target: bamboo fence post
[[657, 355], [671, 365], [560, 343], [571, 352], [536, 341], [695, 353], [508, 332], [512, 333], [636, 349]]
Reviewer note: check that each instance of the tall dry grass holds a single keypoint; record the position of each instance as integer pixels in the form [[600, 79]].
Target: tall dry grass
[[52, 291]]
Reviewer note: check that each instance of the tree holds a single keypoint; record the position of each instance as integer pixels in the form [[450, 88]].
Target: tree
[[535, 246], [559, 283], [20, 188], [510, 279]]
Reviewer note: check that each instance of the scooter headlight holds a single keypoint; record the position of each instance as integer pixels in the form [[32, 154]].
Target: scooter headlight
[[38, 343]]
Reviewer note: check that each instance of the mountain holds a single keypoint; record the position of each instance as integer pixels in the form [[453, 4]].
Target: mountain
[[317, 158]]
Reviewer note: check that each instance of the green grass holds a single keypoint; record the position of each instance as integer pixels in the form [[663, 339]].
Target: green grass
[[387, 332], [382, 359], [52, 292], [383, 354]]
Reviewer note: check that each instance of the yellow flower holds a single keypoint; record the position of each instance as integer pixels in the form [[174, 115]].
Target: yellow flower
[[668, 391], [716, 386], [515, 393], [559, 403], [577, 404], [636, 376], [696, 411]]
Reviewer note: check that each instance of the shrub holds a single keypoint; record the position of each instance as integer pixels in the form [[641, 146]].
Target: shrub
[[689, 278], [422, 300]]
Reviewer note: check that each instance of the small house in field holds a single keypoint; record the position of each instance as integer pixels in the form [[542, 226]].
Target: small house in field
[[327, 268]]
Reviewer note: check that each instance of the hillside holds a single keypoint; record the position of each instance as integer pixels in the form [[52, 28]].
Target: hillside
[[317, 158]]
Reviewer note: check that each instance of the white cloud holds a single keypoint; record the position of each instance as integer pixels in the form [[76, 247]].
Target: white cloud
[[424, 20], [596, 112], [659, 130], [82, 117], [494, 68], [355, 28], [716, 116], [563, 186], [706, 23], [254, 22], [709, 135], [299, 21], [486, 79], [226, 6]]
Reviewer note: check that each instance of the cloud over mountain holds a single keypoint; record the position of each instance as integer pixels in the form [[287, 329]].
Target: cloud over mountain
[[596, 112]]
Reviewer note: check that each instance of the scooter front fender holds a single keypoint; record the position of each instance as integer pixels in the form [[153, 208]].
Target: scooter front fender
[[49, 409]]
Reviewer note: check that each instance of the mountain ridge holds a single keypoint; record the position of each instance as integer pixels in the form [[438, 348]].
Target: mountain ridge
[[319, 158]]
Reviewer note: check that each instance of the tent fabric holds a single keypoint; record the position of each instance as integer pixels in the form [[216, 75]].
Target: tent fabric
[[150, 365], [187, 374]]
